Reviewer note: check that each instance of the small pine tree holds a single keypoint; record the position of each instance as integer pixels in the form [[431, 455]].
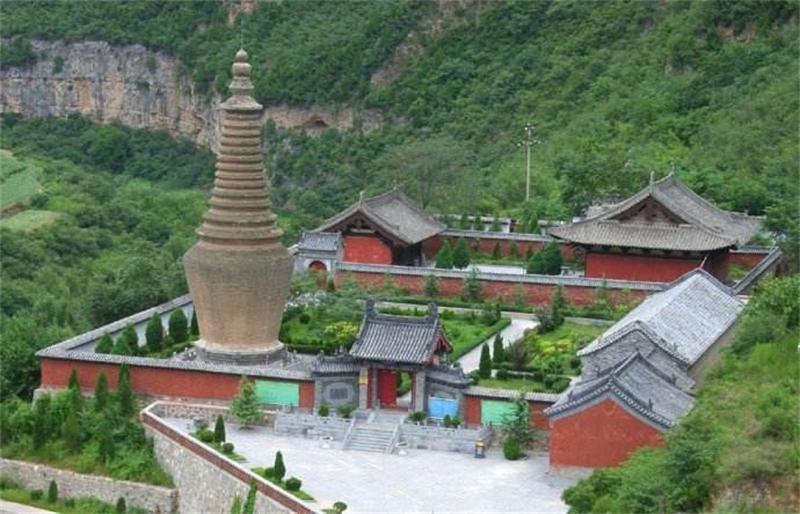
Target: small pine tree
[[535, 264], [219, 430], [245, 407], [74, 390], [516, 424], [107, 447], [557, 305], [236, 507], [131, 339], [194, 328], [73, 384], [178, 326], [498, 352], [497, 252], [121, 346], [105, 345], [41, 421], [101, 392], [122, 508], [249, 506], [485, 364], [52, 492], [461, 254], [551, 259], [71, 432], [473, 291], [513, 250], [154, 334], [444, 257], [430, 287], [125, 399], [279, 467]]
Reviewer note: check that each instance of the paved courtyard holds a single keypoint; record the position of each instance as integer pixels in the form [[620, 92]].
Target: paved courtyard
[[423, 481]]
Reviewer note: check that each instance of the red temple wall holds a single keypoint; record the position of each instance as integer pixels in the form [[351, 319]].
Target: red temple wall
[[637, 267], [602, 435], [746, 260], [535, 294], [536, 416], [160, 382], [367, 249]]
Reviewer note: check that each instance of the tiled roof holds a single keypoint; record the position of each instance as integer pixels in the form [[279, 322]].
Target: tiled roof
[[394, 214], [685, 319], [637, 384], [448, 375], [702, 225], [407, 339], [335, 364], [320, 241]]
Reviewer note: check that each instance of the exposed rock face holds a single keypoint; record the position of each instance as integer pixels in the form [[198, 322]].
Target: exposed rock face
[[142, 89], [238, 271]]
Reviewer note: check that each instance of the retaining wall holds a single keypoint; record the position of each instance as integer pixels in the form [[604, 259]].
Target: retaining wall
[[208, 481], [75, 485]]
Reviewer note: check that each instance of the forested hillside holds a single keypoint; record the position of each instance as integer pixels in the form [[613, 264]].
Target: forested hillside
[[616, 90]]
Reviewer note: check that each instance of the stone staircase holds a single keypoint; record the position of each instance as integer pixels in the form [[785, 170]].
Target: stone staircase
[[371, 437]]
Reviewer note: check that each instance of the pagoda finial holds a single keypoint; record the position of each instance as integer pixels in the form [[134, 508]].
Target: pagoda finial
[[241, 85]]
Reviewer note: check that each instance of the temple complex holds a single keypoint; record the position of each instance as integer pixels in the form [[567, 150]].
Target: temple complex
[[238, 271], [658, 234]]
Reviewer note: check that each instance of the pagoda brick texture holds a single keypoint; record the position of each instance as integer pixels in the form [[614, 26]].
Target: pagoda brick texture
[[167, 383], [603, 435], [535, 294], [367, 249]]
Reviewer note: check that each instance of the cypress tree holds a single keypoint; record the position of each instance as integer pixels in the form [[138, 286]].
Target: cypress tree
[[444, 257], [74, 389], [473, 292], [536, 264], [178, 326], [249, 506], [154, 334], [101, 392], [551, 259], [465, 222], [557, 304], [41, 421], [236, 507], [106, 344], [106, 447], [497, 252], [131, 339], [52, 492], [485, 364], [431, 286], [245, 407], [461, 254], [219, 430], [121, 507], [498, 352], [71, 432], [125, 399], [279, 469], [194, 328]]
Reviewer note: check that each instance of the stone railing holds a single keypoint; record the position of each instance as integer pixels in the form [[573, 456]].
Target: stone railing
[[206, 412], [74, 485], [439, 438], [208, 480], [300, 424]]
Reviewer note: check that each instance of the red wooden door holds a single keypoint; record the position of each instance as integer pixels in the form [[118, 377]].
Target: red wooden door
[[387, 387]]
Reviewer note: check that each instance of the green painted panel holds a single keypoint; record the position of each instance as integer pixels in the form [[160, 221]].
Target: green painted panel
[[492, 411], [278, 393]]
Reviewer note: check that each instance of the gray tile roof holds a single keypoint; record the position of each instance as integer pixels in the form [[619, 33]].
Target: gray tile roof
[[506, 394], [444, 374], [402, 339], [685, 319], [394, 214], [700, 225], [335, 365], [320, 241], [637, 384]]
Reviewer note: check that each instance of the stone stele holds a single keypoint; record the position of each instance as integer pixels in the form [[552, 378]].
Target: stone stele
[[238, 271]]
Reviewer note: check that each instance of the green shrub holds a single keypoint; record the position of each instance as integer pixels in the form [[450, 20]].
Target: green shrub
[[293, 484], [205, 435], [444, 257], [446, 421], [304, 318], [345, 411], [340, 507], [178, 326], [455, 422], [69, 503], [121, 507], [52, 492], [502, 374], [279, 467], [323, 410], [37, 494], [227, 448], [511, 449], [105, 345]]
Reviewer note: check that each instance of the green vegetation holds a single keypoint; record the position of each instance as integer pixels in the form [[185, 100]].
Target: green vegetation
[[29, 220], [245, 407], [18, 180], [99, 437], [742, 434], [275, 475], [82, 505], [517, 432], [117, 229]]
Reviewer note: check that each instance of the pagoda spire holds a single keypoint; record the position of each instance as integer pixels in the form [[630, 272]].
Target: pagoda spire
[[240, 210], [238, 271]]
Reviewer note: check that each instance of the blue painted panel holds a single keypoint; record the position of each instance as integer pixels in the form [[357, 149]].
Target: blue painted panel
[[441, 407]]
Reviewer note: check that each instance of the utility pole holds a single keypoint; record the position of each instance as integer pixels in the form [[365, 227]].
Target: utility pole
[[528, 140]]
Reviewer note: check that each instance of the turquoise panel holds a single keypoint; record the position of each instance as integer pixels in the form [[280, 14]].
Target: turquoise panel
[[492, 411], [278, 393]]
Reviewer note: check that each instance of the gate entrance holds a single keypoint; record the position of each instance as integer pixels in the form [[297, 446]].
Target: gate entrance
[[387, 387]]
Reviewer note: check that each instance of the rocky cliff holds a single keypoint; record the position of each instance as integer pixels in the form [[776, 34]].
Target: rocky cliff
[[142, 89]]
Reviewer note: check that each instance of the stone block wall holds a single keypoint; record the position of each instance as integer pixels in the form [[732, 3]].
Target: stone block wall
[[208, 481], [74, 485]]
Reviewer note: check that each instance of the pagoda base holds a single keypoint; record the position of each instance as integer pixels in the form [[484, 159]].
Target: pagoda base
[[217, 355]]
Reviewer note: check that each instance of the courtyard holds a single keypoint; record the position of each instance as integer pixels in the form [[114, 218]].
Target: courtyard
[[421, 481]]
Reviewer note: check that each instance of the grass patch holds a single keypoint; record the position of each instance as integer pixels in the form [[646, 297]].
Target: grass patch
[[18, 180], [80, 505], [465, 334], [303, 495], [218, 447], [516, 384], [29, 220]]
